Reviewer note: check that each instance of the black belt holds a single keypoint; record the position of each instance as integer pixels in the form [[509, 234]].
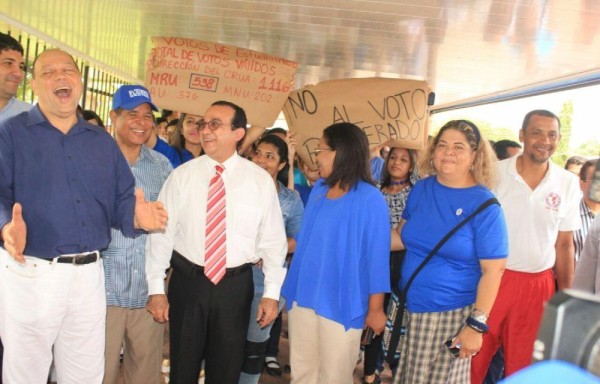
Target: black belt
[[81, 259], [183, 265]]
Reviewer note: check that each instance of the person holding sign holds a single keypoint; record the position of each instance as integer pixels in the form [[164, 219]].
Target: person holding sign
[[400, 174], [340, 272], [453, 283]]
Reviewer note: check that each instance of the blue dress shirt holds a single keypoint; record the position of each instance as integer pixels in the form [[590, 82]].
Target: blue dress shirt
[[73, 187]]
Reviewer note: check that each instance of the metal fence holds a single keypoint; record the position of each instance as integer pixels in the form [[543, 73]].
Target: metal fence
[[98, 85]]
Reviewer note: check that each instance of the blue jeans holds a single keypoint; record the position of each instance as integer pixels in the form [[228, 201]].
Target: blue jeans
[[256, 334]]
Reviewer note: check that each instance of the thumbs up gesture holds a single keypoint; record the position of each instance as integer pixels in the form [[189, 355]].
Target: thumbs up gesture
[[150, 216], [14, 234]]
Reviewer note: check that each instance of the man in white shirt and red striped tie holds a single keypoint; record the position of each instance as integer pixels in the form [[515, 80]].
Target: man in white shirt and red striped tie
[[224, 215]]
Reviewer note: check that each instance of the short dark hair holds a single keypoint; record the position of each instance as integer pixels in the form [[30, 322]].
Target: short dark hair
[[351, 163], [538, 112], [165, 113], [282, 151], [275, 130], [172, 123], [575, 160], [9, 43], [501, 148], [239, 117], [91, 115], [161, 120], [584, 169]]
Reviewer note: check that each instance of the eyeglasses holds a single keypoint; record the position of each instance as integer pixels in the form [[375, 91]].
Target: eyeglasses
[[213, 125], [319, 150]]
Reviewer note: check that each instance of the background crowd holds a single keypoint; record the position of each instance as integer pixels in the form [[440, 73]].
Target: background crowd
[[438, 261]]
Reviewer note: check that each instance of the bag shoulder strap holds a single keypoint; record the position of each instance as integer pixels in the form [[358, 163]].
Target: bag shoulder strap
[[484, 205], [398, 320]]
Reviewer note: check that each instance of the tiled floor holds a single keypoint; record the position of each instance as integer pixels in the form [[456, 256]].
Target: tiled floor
[[284, 360]]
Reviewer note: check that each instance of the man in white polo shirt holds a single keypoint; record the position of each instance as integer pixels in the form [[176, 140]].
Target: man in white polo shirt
[[540, 202]]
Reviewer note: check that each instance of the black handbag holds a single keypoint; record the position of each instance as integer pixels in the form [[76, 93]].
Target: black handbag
[[398, 319]]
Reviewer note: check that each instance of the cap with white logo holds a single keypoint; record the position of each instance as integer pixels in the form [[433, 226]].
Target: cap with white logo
[[129, 97]]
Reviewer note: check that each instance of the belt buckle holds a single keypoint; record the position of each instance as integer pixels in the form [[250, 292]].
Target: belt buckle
[[78, 259], [83, 259]]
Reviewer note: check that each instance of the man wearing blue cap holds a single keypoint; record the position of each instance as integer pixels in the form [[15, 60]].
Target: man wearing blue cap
[[64, 184], [128, 324]]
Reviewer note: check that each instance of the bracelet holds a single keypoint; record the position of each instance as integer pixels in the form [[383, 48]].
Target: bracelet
[[477, 325]]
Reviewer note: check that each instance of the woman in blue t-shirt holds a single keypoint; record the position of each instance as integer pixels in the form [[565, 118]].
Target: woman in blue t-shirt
[[451, 296], [340, 271], [185, 139]]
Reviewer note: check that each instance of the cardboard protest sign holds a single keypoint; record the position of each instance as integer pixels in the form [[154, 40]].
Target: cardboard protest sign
[[391, 112], [188, 75]]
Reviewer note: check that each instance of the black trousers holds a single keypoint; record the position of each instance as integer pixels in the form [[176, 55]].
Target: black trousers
[[274, 336], [208, 322]]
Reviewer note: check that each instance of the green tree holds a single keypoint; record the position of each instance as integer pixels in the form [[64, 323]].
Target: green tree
[[566, 116], [590, 148], [495, 133], [489, 131]]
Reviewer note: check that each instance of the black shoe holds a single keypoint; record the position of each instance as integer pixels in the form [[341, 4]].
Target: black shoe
[[272, 367]]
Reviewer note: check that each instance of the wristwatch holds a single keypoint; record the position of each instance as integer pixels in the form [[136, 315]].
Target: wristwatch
[[479, 315]]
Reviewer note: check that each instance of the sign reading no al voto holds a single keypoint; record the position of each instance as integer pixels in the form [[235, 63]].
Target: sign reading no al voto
[[188, 75], [392, 112]]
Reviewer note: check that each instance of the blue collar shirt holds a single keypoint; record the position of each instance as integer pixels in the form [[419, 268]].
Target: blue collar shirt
[[124, 259], [13, 108], [73, 187]]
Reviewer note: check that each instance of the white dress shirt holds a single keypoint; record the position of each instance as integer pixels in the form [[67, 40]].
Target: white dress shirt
[[255, 228]]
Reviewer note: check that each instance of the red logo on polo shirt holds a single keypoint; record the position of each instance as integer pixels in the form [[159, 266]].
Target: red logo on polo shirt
[[552, 201]]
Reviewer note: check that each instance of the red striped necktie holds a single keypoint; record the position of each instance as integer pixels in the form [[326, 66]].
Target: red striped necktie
[[215, 250]]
